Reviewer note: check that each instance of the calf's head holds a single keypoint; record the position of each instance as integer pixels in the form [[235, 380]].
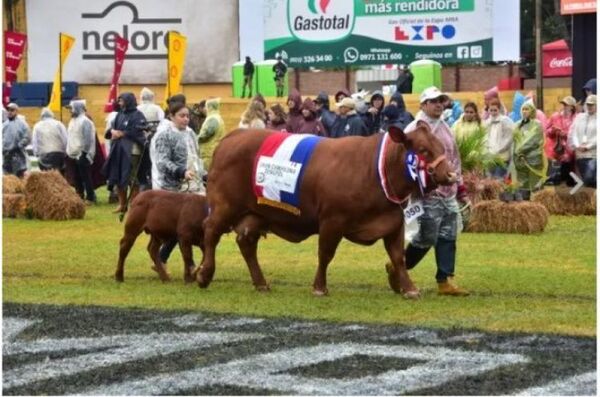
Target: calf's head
[[424, 143]]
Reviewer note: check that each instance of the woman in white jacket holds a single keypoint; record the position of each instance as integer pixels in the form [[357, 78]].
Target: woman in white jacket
[[582, 140], [499, 128]]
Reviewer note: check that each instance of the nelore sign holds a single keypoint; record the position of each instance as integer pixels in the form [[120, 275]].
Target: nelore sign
[[370, 32], [144, 23]]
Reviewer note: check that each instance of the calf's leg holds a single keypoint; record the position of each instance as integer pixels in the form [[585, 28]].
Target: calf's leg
[[398, 277], [159, 267], [248, 234], [188, 260]]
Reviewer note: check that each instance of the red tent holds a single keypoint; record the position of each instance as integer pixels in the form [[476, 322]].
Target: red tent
[[557, 59]]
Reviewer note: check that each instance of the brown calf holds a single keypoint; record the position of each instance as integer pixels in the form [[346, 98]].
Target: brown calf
[[165, 216]]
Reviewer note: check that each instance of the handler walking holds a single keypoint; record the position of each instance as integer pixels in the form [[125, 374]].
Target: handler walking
[[438, 224]]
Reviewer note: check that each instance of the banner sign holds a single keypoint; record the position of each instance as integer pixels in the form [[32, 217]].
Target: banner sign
[[211, 28], [120, 49], [557, 60], [577, 6], [66, 43], [175, 62], [361, 32], [14, 47]]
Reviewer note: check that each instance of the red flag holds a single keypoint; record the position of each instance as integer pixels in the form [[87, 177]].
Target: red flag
[[14, 47], [120, 48]]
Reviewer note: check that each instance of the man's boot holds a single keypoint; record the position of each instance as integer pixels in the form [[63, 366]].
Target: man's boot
[[449, 288], [122, 194]]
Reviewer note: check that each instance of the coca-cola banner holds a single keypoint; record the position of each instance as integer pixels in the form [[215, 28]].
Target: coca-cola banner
[[121, 46], [577, 6], [14, 47], [557, 59]]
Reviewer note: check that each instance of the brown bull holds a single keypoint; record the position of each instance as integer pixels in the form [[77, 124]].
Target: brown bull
[[340, 196], [165, 216]]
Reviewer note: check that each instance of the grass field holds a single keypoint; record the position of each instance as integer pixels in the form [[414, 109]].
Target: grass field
[[541, 283]]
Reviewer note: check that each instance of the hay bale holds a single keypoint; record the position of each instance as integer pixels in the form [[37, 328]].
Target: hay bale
[[12, 185], [480, 189], [558, 201], [50, 197], [13, 205], [495, 216]]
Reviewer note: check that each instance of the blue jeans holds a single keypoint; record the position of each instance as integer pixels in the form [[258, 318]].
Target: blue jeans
[[438, 228], [587, 169]]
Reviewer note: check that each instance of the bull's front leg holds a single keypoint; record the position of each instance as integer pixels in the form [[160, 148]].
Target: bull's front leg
[[398, 276], [330, 235]]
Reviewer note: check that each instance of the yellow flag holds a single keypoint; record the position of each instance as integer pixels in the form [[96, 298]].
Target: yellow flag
[[66, 44], [175, 61]]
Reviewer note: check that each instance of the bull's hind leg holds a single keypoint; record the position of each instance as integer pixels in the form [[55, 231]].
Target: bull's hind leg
[[248, 233], [159, 267], [217, 223], [188, 260], [330, 235], [398, 277]]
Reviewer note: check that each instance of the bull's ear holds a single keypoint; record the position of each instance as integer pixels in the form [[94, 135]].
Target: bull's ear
[[422, 124], [397, 134]]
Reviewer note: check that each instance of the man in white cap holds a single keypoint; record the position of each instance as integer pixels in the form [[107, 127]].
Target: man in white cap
[[50, 142], [348, 122], [15, 138], [582, 139], [438, 224]]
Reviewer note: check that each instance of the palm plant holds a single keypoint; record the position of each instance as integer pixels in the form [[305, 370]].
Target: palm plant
[[474, 155]]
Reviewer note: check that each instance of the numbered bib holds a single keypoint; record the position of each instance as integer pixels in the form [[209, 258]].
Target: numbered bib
[[413, 211]]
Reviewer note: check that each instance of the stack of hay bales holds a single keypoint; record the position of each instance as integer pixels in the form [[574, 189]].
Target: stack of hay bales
[[495, 216], [480, 189], [49, 196], [559, 201], [13, 197]]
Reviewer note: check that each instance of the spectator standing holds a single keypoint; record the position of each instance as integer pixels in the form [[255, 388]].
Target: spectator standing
[[589, 88], [468, 124], [341, 94], [212, 131], [499, 129], [556, 147], [248, 74], [326, 116], [50, 142], [493, 93], [582, 140], [254, 116], [294, 103], [81, 148], [310, 123], [374, 115], [280, 70], [528, 152], [438, 224], [405, 79], [124, 167], [348, 122], [277, 118], [15, 138], [197, 116], [405, 117], [152, 112]]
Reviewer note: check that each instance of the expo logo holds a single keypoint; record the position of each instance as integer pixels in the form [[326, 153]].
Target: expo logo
[[320, 20], [424, 32]]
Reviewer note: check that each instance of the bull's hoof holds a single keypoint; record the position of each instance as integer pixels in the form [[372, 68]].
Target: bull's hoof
[[263, 288], [414, 294], [202, 283], [119, 278], [189, 278], [320, 292]]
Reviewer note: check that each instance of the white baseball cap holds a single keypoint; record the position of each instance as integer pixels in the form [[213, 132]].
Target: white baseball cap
[[432, 93]]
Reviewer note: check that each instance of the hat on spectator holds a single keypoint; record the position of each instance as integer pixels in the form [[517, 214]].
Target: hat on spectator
[[569, 101], [432, 93], [346, 102], [590, 100], [12, 106]]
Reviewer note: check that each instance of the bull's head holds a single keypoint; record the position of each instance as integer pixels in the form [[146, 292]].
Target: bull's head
[[422, 141]]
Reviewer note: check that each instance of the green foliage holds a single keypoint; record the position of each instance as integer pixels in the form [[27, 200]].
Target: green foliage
[[534, 283], [473, 152]]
